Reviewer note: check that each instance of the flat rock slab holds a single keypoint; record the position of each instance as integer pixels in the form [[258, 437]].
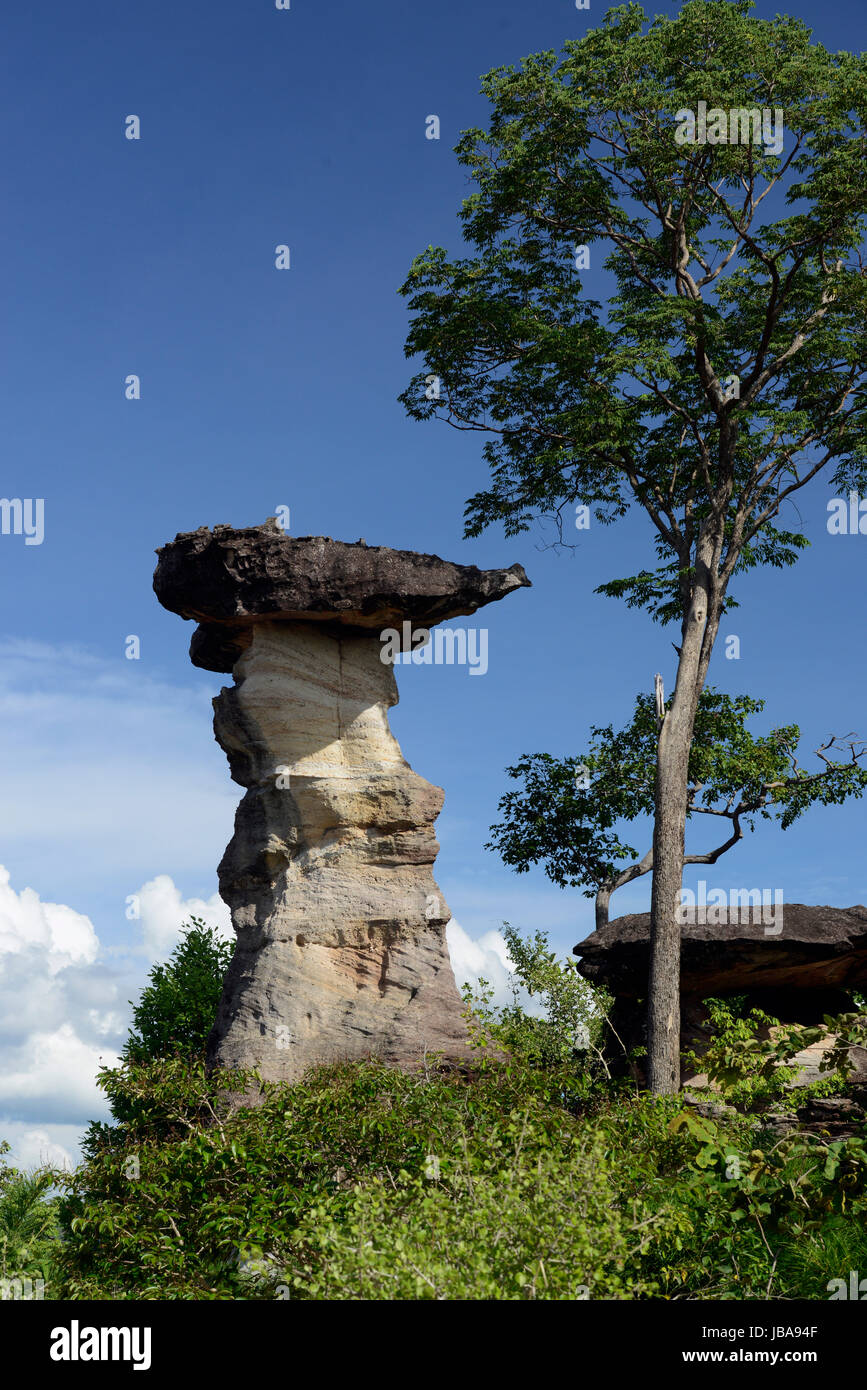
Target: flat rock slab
[[797, 964], [229, 579], [808, 948]]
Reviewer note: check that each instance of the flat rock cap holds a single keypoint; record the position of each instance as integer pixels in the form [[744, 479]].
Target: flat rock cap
[[227, 579], [804, 948]]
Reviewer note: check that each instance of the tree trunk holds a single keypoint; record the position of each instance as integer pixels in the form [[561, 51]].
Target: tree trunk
[[603, 899], [672, 766]]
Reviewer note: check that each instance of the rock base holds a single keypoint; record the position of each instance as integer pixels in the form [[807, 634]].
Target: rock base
[[341, 950]]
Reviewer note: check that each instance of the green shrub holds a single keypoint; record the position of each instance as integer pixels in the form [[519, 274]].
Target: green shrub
[[28, 1224], [185, 1196], [176, 1011], [574, 1010], [530, 1177]]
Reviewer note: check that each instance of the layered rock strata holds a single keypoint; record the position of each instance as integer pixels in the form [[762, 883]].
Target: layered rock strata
[[341, 949]]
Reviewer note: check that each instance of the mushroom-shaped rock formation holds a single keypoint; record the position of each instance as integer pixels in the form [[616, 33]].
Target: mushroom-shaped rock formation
[[795, 962], [341, 949]]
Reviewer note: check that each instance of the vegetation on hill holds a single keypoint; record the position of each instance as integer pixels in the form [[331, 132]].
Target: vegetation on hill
[[540, 1177]]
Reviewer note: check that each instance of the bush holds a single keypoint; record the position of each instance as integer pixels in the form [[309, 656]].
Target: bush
[[187, 1197], [574, 1010], [536, 1177], [176, 1011], [28, 1225]]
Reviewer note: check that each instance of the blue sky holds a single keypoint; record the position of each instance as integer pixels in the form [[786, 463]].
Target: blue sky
[[263, 388]]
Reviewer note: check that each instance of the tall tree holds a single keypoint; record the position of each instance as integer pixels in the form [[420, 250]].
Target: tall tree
[[727, 368]]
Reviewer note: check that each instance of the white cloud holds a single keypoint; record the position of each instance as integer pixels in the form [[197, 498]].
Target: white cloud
[[162, 911], [62, 1012], [61, 934], [53, 1075], [486, 958], [64, 1007], [35, 1147]]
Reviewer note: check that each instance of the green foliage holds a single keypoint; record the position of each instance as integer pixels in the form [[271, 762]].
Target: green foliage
[[190, 1195], [794, 1097], [745, 1058], [176, 1010], [28, 1223], [572, 828], [763, 1219], [849, 1030], [659, 591], [747, 1055], [574, 1010], [622, 405], [527, 1177], [529, 1212], [363, 1182]]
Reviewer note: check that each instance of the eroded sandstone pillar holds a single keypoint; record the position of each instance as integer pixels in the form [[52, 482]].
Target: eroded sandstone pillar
[[329, 876]]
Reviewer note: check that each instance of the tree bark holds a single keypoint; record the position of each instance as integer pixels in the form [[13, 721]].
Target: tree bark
[[671, 791], [603, 899], [604, 891]]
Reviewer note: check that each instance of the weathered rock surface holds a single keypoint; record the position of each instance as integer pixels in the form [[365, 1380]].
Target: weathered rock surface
[[816, 949], [341, 948], [797, 969], [833, 1116], [231, 580], [829, 1118]]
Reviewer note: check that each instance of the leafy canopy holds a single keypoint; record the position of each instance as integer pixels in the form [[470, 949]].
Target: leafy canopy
[[725, 260], [28, 1223], [568, 812], [499, 1182]]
